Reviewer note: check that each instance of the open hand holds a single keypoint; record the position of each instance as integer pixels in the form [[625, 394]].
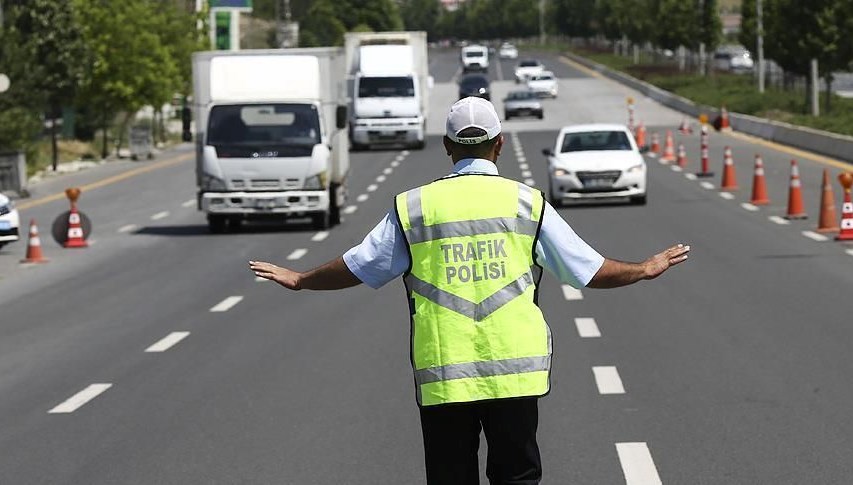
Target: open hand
[[283, 276], [661, 262]]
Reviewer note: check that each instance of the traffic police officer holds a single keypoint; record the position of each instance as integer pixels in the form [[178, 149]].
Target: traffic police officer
[[471, 247]]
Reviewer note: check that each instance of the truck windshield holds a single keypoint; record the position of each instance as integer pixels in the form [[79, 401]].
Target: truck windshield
[[287, 128], [386, 87]]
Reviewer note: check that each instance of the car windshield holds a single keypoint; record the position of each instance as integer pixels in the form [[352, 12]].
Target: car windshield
[[542, 77], [595, 140], [528, 64], [474, 82], [264, 125], [520, 95], [475, 54], [386, 87]]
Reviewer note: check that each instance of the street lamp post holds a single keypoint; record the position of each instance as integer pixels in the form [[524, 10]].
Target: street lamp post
[[759, 44], [542, 22]]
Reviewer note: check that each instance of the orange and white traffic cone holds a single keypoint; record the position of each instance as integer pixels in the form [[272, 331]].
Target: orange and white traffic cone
[[682, 156], [796, 209], [846, 233], [34, 253], [668, 149], [654, 151], [640, 136], [759, 184], [705, 170], [828, 220], [685, 128], [725, 124], [729, 178], [75, 230]]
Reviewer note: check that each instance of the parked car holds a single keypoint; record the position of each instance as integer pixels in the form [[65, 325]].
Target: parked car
[[522, 102], [508, 51], [543, 84], [734, 59], [10, 221], [474, 85], [527, 68], [595, 162]]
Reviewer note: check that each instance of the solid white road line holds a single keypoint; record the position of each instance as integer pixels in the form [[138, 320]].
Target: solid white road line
[[637, 464], [707, 186], [727, 195], [372, 187], [320, 236], [380, 178], [362, 197], [128, 228], [690, 176], [296, 254], [749, 207], [74, 402], [587, 328], [608, 381], [815, 236], [350, 209], [167, 342], [572, 293], [226, 304], [779, 220], [189, 203], [160, 215]]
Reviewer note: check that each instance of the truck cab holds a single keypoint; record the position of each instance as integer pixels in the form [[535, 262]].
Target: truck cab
[[475, 58]]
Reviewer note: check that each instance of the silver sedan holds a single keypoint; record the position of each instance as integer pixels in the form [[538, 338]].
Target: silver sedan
[[522, 103]]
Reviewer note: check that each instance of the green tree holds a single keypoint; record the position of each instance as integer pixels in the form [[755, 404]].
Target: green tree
[[421, 15], [748, 25], [677, 24], [321, 27]]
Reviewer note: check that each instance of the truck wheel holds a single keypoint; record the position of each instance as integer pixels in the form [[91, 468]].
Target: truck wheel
[[217, 224], [322, 221]]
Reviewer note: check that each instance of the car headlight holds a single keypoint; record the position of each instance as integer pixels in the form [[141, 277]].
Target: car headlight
[[561, 173], [211, 183], [315, 182], [636, 168]]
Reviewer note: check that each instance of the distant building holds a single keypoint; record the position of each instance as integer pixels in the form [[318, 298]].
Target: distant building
[[451, 5], [731, 23]]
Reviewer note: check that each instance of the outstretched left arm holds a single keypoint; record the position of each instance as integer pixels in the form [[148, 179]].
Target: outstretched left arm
[[614, 274]]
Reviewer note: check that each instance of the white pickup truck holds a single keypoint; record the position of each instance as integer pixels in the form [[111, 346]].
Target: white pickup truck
[[271, 138]]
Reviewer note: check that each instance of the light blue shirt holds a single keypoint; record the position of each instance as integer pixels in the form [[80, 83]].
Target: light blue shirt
[[383, 255]]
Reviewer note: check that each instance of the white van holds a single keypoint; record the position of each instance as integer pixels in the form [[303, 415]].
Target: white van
[[475, 58]]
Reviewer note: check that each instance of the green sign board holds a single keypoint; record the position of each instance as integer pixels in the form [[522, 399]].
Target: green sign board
[[237, 4], [223, 30]]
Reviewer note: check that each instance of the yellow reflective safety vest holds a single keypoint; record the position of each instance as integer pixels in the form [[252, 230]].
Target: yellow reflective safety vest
[[477, 332]]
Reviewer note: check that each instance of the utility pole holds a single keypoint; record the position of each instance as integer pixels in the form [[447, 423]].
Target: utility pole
[[759, 44], [542, 22]]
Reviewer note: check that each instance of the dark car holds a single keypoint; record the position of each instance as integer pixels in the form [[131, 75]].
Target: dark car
[[474, 85], [522, 102]]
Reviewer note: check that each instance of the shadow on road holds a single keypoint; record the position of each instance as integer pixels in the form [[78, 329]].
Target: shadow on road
[[244, 228]]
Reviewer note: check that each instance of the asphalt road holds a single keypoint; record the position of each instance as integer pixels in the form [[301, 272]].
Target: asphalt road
[[731, 369]]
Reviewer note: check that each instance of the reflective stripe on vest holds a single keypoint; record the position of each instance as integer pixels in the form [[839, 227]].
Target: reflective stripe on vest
[[494, 342]]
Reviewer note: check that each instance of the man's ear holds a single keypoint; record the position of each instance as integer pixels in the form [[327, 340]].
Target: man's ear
[[499, 145], [447, 144]]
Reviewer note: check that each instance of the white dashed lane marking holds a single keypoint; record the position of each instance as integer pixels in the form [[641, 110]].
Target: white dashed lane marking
[[258, 279], [380, 178], [522, 159], [690, 176], [128, 228], [350, 209], [530, 182], [372, 187], [320, 236], [779, 220], [676, 168], [815, 236], [160, 215], [362, 197], [608, 381], [388, 171], [526, 173], [572, 293], [587, 328], [189, 203], [727, 195], [524, 166], [76, 401], [395, 163], [226, 304], [168, 342], [749, 207], [296, 254], [637, 464], [707, 185], [849, 252]]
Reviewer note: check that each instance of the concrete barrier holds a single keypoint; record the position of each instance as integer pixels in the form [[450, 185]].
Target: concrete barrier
[[822, 142]]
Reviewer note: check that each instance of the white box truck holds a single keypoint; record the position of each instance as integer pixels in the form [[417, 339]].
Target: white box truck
[[389, 84], [271, 138]]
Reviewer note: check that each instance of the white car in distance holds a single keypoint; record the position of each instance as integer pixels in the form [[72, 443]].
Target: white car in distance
[[526, 69], [595, 162], [10, 221], [508, 51], [543, 84]]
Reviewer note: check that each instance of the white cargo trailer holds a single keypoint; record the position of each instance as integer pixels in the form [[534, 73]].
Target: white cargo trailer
[[271, 136]]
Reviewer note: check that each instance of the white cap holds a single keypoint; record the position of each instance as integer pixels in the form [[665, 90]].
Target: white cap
[[472, 112]]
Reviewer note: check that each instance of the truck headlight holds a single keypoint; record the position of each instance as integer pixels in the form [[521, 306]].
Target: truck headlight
[[315, 182], [211, 183]]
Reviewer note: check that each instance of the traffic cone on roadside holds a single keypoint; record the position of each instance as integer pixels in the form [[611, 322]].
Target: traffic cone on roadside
[[725, 124], [34, 254], [685, 128], [75, 230], [846, 233], [828, 220], [682, 156], [729, 178], [654, 151], [668, 149], [759, 184], [640, 136], [704, 137], [796, 209]]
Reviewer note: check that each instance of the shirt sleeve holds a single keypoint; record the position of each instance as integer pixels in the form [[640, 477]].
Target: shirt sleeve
[[382, 256], [563, 253]]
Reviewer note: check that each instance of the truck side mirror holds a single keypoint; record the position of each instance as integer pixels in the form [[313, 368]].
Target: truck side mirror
[[186, 119], [341, 117], [547, 152]]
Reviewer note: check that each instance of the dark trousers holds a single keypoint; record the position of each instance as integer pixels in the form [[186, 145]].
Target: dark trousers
[[452, 437]]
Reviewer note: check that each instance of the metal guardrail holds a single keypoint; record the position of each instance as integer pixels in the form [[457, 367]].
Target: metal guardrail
[[13, 173], [826, 143]]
